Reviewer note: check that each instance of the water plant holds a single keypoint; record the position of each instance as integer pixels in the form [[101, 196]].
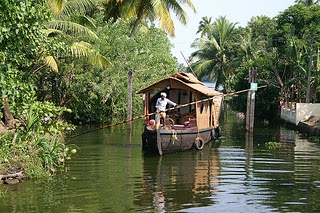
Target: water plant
[[273, 145], [315, 139]]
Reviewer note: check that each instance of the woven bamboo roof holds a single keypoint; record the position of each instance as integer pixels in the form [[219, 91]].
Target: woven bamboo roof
[[181, 80]]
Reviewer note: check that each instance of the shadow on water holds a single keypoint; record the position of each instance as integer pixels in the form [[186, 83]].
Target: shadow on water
[[237, 173]]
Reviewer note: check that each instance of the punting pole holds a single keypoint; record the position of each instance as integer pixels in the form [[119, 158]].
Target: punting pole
[[188, 64], [153, 113]]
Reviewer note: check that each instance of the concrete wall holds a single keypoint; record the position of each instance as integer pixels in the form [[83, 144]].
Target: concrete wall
[[305, 111], [288, 115], [302, 112]]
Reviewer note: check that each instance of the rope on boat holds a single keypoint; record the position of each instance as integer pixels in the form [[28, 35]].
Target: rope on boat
[[153, 113]]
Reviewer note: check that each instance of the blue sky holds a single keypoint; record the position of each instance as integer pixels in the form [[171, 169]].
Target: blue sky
[[239, 11]]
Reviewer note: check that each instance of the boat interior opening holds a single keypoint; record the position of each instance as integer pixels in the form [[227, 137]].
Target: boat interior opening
[[179, 118]]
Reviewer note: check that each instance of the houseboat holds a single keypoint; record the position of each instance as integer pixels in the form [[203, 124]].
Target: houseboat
[[191, 123]]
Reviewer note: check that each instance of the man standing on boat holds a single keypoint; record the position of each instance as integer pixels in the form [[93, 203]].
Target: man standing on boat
[[161, 105]]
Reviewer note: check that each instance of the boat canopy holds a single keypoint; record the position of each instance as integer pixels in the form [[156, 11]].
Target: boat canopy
[[182, 80]]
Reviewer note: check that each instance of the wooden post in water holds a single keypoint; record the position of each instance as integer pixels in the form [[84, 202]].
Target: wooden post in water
[[158, 133], [251, 99]]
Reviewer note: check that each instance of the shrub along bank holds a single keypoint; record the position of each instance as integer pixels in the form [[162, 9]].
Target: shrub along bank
[[33, 144]]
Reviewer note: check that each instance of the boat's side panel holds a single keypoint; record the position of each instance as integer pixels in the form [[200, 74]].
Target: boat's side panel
[[175, 141]]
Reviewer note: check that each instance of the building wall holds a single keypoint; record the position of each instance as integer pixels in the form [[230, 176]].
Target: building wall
[[302, 112]]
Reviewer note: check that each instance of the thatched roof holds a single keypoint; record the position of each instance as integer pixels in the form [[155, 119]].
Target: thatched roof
[[181, 80]]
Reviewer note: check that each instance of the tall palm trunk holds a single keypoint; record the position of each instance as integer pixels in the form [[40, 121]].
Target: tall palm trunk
[[132, 34], [129, 95], [139, 18]]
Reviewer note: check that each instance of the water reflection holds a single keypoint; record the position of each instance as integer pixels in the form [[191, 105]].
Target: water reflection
[[110, 173], [180, 180]]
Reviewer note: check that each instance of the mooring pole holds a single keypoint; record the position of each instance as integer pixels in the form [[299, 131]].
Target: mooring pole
[[251, 99]]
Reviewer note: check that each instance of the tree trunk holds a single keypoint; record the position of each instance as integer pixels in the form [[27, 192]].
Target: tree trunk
[[139, 17], [10, 121], [132, 34], [6, 111], [129, 109], [309, 72]]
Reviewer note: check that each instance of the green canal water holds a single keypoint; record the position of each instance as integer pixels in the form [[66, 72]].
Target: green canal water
[[238, 173]]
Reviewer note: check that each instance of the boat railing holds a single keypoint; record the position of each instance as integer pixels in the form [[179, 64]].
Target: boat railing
[[188, 121]]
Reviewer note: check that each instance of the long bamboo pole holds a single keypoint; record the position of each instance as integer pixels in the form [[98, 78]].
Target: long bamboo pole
[[153, 113]]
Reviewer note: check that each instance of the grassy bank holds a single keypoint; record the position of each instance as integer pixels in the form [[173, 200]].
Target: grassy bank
[[35, 143]]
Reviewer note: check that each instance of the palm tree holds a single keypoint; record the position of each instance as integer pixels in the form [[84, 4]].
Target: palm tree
[[68, 25], [151, 10], [207, 64], [205, 26], [251, 45], [65, 15], [308, 3], [211, 52]]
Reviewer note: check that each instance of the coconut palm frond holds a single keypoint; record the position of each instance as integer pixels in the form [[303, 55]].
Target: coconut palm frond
[[308, 3], [72, 28], [130, 10], [56, 6], [51, 63], [215, 43], [160, 10], [165, 21], [84, 49], [204, 68], [66, 8], [167, 24], [99, 60], [224, 28], [211, 53], [205, 26], [86, 21], [180, 13], [78, 7], [81, 49], [200, 43]]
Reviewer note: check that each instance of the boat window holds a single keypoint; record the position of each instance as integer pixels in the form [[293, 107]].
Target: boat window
[[201, 108]]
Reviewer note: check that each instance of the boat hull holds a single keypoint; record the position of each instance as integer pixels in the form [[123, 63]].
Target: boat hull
[[176, 140]]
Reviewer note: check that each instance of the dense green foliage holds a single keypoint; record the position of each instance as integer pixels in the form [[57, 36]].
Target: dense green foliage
[[35, 145], [285, 50], [65, 62], [20, 26], [69, 60], [150, 10], [212, 54], [102, 93]]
